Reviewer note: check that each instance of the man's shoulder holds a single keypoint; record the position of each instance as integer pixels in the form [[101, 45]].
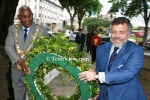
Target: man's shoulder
[[106, 45], [13, 26], [133, 45]]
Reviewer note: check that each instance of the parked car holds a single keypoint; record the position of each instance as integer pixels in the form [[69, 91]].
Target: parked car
[[132, 34], [71, 35], [105, 39], [103, 32], [147, 44], [67, 33], [50, 32], [148, 36], [107, 33]]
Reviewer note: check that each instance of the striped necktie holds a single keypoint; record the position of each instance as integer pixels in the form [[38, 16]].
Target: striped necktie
[[25, 34], [113, 55]]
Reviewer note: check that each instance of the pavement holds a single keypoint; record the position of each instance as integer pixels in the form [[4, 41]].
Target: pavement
[[53, 80]]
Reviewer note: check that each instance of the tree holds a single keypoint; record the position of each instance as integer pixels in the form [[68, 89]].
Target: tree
[[71, 6], [7, 12], [132, 8], [88, 7], [94, 23]]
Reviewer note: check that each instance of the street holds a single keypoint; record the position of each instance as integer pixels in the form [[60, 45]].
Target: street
[[146, 52]]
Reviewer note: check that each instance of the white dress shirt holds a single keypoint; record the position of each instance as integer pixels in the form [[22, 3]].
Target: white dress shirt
[[101, 75]]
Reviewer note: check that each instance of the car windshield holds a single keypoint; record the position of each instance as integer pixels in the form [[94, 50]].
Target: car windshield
[[107, 39], [75, 32]]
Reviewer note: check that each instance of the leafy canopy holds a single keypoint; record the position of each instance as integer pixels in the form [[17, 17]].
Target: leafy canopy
[[95, 22]]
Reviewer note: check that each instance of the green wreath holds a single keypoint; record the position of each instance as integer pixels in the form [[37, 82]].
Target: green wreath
[[40, 63]]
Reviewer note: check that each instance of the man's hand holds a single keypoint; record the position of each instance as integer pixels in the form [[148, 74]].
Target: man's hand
[[21, 62], [87, 75]]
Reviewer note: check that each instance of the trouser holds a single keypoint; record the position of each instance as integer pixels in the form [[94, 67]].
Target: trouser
[[81, 48], [93, 53], [9, 83], [88, 48], [20, 89]]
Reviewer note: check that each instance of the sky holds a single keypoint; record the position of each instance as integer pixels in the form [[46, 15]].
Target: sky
[[135, 20]]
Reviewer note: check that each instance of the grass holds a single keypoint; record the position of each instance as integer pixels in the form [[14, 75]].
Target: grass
[[137, 39]]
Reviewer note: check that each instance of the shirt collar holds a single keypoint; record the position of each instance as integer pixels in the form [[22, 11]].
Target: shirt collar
[[112, 48], [26, 28]]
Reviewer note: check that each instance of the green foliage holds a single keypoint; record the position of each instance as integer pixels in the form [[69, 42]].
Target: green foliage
[[80, 8], [59, 45], [135, 27], [71, 6], [95, 23], [87, 7], [67, 27], [100, 28]]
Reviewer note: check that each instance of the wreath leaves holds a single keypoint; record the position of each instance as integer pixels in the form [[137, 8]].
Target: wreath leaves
[[59, 45]]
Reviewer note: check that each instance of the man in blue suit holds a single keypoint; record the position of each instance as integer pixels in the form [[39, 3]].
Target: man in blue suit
[[118, 70]]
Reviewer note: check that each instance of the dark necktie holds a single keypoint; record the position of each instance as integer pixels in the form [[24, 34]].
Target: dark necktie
[[113, 55], [25, 34]]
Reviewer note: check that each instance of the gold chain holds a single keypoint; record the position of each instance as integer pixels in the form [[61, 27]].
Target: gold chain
[[21, 52]]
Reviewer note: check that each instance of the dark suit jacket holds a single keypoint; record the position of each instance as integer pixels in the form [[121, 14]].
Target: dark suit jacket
[[10, 46], [122, 81], [80, 40]]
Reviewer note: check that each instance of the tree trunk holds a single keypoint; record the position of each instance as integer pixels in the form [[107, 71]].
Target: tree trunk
[[71, 22], [146, 28], [79, 22], [7, 12], [146, 19]]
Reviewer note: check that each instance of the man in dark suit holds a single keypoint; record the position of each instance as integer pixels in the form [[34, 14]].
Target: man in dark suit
[[80, 39], [118, 65], [9, 82], [19, 41]]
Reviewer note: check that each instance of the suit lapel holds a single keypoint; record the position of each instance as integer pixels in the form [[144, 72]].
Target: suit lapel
[[106, 56], [120, 56], [30, 35], [21, 37]]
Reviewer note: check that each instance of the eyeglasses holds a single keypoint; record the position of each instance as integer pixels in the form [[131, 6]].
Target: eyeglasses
[[26, 16]]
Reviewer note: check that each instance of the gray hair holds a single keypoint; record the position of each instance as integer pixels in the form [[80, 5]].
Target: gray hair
[[122, 20], [23, 7]]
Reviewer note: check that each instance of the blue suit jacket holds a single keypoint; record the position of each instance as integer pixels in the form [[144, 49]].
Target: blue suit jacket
[[122, 81]]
